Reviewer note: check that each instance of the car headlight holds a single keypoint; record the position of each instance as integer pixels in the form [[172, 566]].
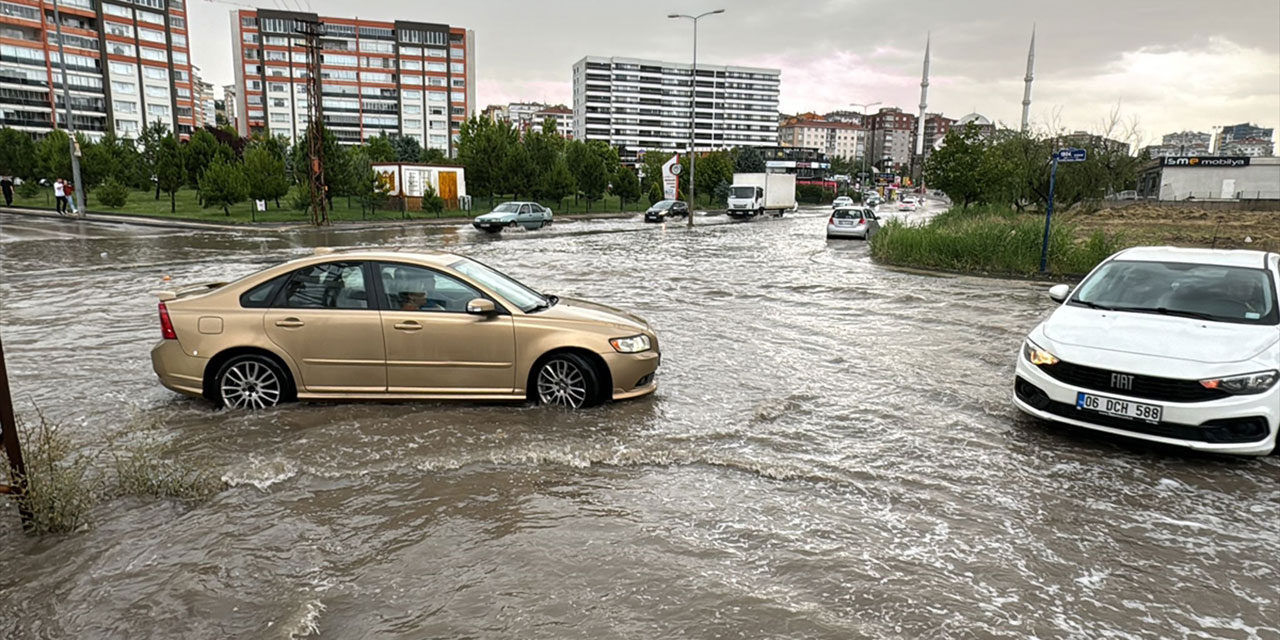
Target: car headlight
[[1245, 384], [1037, 356], [633, 344]]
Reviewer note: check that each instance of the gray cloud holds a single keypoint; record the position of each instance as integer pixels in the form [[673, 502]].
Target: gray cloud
[[1091, 54]]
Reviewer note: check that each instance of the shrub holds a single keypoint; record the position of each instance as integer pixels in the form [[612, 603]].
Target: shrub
[[655, 193], [431, 201], [812, 194], [112, 194]]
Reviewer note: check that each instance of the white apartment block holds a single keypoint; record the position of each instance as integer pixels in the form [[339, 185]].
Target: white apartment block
[[639, 104], [835, 139], [562, 116]]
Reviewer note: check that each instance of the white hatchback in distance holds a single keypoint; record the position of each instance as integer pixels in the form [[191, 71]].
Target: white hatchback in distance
[[1179, 346]]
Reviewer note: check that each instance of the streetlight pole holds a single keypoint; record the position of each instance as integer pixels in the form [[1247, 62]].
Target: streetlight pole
[[693, 102], [78, 188], [866, 144]]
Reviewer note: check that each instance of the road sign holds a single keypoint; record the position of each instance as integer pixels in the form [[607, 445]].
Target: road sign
[[1070, 155]]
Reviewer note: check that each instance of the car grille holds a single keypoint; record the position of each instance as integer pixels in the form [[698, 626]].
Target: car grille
[[1148, 387], [1234, 430]]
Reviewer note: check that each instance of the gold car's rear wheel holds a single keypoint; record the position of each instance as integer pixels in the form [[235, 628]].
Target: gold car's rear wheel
[[250, 382], [568, 380]]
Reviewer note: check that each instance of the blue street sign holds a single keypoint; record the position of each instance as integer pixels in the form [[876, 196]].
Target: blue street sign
[[1070, 155]]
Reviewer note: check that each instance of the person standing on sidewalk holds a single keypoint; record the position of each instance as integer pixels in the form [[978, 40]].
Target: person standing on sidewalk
[[60, 195], [69, 190], [6, 185]]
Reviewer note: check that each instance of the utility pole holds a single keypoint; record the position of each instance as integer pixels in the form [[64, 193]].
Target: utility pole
[[78, 192], [693, 102], [311, 31], [12, 446], [866, 136]]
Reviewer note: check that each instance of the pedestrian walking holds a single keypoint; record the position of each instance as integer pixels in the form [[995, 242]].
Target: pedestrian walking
[[6, 185], [70, 190], [60, 195]]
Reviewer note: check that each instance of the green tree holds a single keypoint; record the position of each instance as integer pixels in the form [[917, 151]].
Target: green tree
[[626, 186], [655, 192], [197, 154], [559, 182], [264, 174], [362, 181], [149, 147], [380, 149], [592, 179], [112, 193], [749, 160], [17, 154], [520, 176], [222, 184], [95, 163], [431, 201], [712, 169], [541, 151], [433, 156], [170, 174], [53, 156], [483, 148], [407, 148], [955, 167]]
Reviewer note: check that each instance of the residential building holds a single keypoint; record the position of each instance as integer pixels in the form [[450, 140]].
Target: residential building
[[834, 139], [809, 165], [637, 104], [229, 105], [397, 78], [562, 115], [202, 96], [128, 66], [936, 127], [1183, 143], [1093, 140], [891, 132], [852, 117], [495, 113], [521, 113], [1243, 131], [1252, 147]]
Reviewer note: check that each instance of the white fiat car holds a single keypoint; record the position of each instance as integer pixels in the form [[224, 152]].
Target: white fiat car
[[1179, 346]]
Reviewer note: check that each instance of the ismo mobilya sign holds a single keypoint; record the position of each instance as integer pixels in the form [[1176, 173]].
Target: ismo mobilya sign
[[1205, 161]]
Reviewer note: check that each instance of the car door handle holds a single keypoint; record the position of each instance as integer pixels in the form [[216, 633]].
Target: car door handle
[[408, 326], [291, 323]]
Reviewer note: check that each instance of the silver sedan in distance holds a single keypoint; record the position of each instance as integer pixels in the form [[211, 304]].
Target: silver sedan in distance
[[853, 222]]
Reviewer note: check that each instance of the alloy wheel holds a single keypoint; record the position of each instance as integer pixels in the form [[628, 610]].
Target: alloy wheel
[[561, 382], [251, 385]]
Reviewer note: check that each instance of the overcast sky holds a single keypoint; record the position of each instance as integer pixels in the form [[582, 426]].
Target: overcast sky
[[1171, 64]]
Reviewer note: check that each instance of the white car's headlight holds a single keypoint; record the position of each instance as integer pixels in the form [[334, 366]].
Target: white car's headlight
[[1245, 384], [633, 344], [1037, 356]]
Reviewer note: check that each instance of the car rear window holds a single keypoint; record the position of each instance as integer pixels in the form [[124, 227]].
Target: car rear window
[[846, 214]]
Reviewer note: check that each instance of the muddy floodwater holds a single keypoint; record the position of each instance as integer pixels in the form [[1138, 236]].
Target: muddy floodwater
[[832, 453]]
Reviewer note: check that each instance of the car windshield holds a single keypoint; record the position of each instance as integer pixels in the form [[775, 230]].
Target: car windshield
[[1204, 291], [662, 204], [742, 192], [507, 207], [512, 291]]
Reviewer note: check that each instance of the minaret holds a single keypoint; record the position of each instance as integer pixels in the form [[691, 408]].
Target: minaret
[[924, 101], [1026, 93]]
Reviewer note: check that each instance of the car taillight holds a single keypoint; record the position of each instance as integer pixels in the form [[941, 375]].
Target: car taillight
[[166, 325], [832, 220]]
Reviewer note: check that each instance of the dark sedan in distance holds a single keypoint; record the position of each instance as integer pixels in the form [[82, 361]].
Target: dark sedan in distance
[[664, 210]]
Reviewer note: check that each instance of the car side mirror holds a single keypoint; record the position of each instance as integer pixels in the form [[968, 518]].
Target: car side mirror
[[481, 307], [1060, 292]]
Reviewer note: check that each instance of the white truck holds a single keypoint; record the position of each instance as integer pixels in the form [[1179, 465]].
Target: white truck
[[752, 194]]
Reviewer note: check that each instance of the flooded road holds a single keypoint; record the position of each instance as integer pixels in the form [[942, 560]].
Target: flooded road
[[832, 453]]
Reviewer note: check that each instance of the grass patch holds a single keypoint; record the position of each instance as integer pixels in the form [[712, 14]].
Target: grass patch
[[64, 483], [992, 241]]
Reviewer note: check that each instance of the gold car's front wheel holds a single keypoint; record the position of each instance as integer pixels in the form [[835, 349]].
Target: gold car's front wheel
[[568, 380], [250, 382]]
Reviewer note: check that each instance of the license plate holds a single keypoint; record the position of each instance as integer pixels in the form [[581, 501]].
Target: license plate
[[1119, 408]]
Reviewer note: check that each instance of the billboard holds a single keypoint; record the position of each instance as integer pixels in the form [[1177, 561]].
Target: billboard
[[671, 178], [1205, 161]]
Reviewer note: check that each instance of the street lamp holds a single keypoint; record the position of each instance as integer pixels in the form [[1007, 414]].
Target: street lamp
[[693, 100], [78, 192], [866, 145]]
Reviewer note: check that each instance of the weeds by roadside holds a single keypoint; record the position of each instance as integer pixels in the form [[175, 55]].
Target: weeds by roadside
[[991, 241], [64, 483]]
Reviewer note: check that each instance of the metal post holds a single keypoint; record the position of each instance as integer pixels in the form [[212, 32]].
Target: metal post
[[12, 446], [1048, 215], [693, 101], [71, 130]]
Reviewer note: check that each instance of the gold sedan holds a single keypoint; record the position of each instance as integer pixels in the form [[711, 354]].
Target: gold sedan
[[389, 325]]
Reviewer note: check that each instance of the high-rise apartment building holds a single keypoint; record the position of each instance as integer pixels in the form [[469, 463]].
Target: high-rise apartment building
[[1242, 131], [647, 104], [202, 96], [405, 78], [1183, 143], [127, 64], [892, 132]]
